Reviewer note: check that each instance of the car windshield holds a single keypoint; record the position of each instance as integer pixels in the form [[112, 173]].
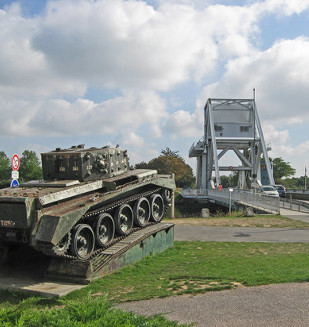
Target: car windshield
[[268, 188], [280, 188]]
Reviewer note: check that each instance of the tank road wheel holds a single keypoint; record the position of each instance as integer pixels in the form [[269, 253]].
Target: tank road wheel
[[157, 207], [82, 243], [123, 219], [62, 247], [167, 195], [141, 212], [104, 229]]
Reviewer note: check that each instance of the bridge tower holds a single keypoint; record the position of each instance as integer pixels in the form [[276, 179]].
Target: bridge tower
[[230, 124]]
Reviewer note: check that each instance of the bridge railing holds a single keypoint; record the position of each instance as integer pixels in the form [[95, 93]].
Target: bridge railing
[[194, 192], [244, 197]]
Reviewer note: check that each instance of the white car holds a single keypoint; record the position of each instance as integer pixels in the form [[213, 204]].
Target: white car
[[269, 190]]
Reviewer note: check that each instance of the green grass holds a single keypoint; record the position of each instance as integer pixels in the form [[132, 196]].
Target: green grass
[[187, 268], [197, 267], [88, 311]]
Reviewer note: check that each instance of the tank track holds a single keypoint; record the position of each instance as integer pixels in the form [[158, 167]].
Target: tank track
[[115, 204], [51, 250]]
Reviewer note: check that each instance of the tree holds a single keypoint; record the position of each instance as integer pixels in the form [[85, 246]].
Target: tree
[[169, 152], [5, 170], [229, 181], [141, 165], [282, 169], [294, 182], [171, 164], [30, 168], [225, 181]]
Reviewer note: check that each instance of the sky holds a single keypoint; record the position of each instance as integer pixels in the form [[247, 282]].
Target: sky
[[138, 73]]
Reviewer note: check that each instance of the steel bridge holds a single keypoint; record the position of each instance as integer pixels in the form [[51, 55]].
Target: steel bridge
[[232, 125]]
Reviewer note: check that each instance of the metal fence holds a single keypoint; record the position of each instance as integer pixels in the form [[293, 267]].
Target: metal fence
[[237, 197], [296, 205]]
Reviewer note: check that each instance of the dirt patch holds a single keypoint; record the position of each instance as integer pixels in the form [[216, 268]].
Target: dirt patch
[[182, 286], [97, 294]]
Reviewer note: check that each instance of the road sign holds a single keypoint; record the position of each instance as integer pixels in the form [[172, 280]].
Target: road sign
[[15, 174], [15, 162], [14, 183]]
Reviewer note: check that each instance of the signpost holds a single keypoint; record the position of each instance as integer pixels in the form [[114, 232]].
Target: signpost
[[230, 201], [15, 172]]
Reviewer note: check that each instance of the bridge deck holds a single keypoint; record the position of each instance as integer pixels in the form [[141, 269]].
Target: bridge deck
[[236, 198]]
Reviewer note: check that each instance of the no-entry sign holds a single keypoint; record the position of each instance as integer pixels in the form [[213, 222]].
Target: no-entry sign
[[15, 162]]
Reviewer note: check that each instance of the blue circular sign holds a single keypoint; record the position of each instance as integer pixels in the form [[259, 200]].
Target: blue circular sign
[[14, 183]]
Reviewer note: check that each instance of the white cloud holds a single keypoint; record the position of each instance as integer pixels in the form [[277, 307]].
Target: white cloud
[[118, 44], [59, 117], [284, 7], [273, 135], [125, 43], [279, 75], [299, 150], [234, 28], [24, 70], [132, 139], [15, 116], [182, 124], [296, 155]]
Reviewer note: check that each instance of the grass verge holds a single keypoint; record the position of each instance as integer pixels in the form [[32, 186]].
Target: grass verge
[[265, 221]]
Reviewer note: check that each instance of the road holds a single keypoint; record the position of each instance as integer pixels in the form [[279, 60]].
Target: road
[[240, 234], [246, 234], [284, 305]]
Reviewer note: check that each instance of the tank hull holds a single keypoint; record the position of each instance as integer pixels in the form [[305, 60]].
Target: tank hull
[[45, 214]]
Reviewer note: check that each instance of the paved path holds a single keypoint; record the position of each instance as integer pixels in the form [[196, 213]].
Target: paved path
[[284, 305], [295, 215]]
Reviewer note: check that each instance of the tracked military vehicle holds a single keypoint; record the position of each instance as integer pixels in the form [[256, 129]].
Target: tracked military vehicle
[[88, 199]]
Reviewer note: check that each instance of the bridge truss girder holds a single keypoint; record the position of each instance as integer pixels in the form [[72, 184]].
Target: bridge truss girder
[[230, 125]]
